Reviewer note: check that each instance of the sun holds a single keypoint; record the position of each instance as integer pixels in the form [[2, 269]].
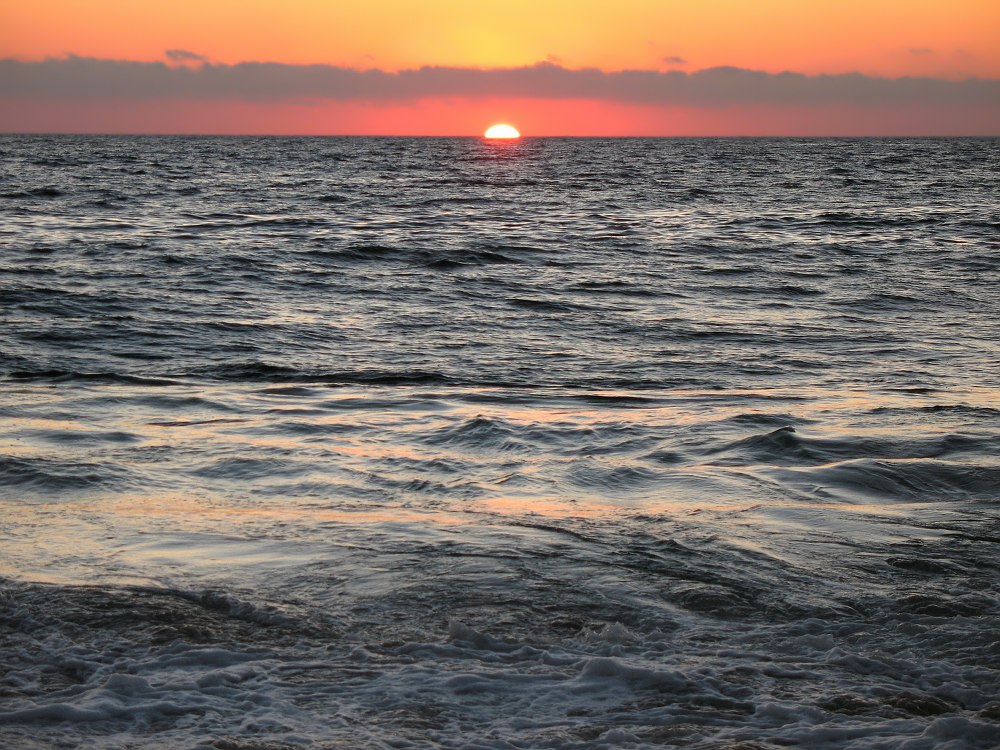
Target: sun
[[501, 130]]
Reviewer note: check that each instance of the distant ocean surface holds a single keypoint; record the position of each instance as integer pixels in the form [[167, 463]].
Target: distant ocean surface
[[444, 443]]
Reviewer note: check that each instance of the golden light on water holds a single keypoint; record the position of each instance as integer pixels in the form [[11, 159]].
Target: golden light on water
[[501, 130]]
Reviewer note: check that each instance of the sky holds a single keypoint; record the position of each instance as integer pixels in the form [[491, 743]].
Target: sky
[[453, 67]]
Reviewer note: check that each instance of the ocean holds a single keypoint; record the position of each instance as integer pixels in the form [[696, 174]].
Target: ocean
[[449, 443]]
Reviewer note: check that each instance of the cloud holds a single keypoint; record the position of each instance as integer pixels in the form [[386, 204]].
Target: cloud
[[182, 55], [82, 78], [673, 60], [921, 51]]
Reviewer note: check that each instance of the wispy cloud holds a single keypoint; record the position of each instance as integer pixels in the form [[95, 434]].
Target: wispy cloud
[[182, 55], [673, 60], [74, 78]]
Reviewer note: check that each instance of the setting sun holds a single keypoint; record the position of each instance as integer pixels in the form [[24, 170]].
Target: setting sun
[[501, 131]]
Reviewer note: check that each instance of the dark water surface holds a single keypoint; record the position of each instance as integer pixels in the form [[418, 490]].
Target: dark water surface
[[561, 443]]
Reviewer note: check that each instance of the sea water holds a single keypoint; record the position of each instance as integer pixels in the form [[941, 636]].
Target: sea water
[[554, 443]]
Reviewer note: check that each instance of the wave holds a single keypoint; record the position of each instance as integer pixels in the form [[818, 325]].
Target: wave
[[459, 258], [542, 305], [42, 192], [68, 376], [434, 259], [786, 447], [911, 480], [57, 475], [263, 372], [479, 432]]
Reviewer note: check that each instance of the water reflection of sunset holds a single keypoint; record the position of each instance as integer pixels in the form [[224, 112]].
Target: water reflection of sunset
[[374, 459]]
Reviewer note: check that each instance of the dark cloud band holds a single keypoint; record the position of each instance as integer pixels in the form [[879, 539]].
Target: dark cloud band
[[75, 78]]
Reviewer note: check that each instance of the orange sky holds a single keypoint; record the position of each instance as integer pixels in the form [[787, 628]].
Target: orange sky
[[889, 38], [883, 37]]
